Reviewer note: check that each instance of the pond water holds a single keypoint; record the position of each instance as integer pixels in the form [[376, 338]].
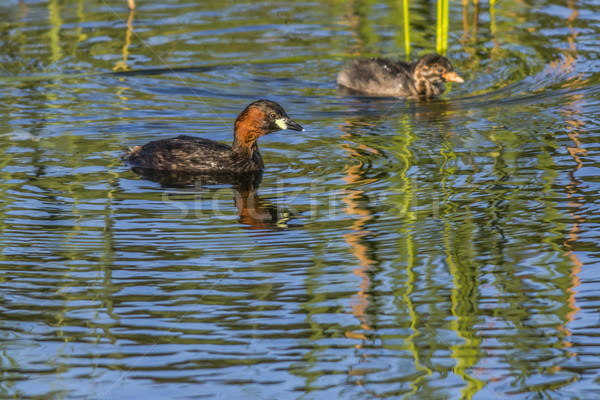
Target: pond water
[[444, 249]]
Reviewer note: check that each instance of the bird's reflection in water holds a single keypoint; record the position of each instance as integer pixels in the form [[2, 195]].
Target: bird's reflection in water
[[254, 212], [428, 109]]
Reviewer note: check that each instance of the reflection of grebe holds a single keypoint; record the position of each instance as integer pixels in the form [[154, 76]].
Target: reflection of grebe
[[386, 77], [254, 212], [198, 155], [260, 214]]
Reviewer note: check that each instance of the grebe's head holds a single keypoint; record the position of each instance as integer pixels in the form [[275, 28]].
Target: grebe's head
[[260, 118], [436, 69]]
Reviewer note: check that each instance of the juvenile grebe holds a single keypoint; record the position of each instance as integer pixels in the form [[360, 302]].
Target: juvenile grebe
[[385, 77]]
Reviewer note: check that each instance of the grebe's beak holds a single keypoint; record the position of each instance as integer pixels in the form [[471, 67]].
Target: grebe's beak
[[286, 123], [453, 77]]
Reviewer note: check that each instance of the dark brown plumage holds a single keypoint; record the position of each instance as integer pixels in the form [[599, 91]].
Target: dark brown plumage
[[385, 77], [197, 155]]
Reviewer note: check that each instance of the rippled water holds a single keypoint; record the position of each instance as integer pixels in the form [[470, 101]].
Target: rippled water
[[446, 249]]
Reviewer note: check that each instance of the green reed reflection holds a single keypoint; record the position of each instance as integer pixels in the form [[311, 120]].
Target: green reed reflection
[[54, 33], [405, 205], [464, 291]]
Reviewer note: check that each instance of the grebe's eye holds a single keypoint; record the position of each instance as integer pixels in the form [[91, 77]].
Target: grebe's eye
[[440, 70], [272, 115]]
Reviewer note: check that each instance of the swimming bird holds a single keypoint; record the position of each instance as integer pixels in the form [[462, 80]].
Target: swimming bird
[[424, 78], [196, 155]]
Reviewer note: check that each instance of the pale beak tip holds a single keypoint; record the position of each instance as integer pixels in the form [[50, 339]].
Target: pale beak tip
[[453, 77]]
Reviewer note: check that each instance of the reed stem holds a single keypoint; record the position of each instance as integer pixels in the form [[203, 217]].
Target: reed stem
[[493, 17], [406, 28], [441, 33]]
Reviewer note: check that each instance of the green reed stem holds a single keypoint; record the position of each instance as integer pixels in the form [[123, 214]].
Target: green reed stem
[[406, 28], [438, 28], [442, 27], [445, 28], [493, 17]]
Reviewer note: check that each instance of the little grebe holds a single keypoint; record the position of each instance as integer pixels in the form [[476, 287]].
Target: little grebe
[[197, 155], [385, 77]]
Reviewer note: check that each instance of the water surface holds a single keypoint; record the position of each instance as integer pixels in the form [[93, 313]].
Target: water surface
[[445, 249]]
